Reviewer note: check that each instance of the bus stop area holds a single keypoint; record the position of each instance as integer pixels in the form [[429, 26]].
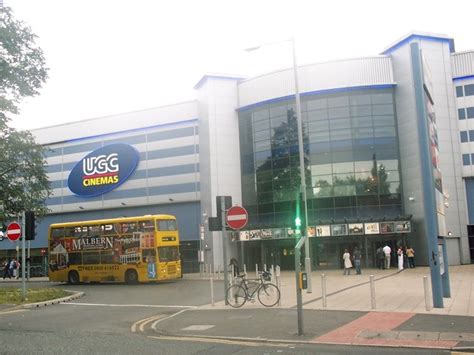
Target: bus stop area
[[400, 318]]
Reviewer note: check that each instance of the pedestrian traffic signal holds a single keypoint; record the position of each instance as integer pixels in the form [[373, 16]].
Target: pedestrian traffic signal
[[300, 220], [30, 225]]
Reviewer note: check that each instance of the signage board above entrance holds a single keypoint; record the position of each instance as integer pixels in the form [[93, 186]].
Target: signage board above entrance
[[103, 170]]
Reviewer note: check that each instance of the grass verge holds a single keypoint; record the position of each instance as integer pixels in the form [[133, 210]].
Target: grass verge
[[12, 295]]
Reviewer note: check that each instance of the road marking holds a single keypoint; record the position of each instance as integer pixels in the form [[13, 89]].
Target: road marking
[[127, 305], [153, 326], [142, 322], [221, 341], [14, 311], [199, 327]]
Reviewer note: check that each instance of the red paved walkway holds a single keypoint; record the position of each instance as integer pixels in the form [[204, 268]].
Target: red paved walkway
[[378, 322]]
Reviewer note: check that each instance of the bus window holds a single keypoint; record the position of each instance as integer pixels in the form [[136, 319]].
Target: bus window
[[92, 257], [109, 228], [166, 254], [166, 225], [80, 231], [107, 257], [69, 232], [146, 226], [75, 259], [94, 231], [148, 255], [57, 233], [128, 227]]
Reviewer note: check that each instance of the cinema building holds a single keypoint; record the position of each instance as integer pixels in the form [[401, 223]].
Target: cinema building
[[388, 155]]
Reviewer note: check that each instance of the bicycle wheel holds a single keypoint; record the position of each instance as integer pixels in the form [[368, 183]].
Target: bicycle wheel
[[236, 296], [268, 294]]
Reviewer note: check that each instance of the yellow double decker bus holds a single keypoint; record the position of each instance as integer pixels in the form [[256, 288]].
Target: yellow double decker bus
[[128, 249]]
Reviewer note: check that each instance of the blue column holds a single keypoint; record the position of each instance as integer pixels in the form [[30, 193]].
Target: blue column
[[429, 199]]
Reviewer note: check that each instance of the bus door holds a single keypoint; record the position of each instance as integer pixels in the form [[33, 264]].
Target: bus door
[[149, 261], [168, 260]]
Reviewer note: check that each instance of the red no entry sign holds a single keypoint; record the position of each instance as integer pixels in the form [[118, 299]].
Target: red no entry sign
[[237, 217], [13, 231]]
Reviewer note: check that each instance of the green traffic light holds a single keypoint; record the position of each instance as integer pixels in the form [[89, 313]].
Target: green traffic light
[[298, 222]]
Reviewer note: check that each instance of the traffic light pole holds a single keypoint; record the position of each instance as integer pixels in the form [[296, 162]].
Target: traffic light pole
[[23, 258], [307, 260], [224, 245]]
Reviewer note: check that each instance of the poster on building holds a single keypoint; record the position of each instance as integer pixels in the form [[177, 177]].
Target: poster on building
[[371, 228], [244, 236], [338, 229], [387, 227], [356, 228], [403, 227], [323, 231]]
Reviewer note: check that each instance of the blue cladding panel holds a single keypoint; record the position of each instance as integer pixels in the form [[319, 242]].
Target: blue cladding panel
[[176, 133], [470, 199]]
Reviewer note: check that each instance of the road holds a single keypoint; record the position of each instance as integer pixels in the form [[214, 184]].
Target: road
[[118, 319]]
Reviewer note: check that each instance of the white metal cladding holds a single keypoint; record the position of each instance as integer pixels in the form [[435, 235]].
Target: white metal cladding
[[317, 77], [116, 123], [462, 63]]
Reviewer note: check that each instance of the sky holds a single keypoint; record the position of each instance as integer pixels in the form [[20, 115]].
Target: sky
[[107, 57]]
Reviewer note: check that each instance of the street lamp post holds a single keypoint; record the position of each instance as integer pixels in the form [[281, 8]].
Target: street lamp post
[[301, 155]]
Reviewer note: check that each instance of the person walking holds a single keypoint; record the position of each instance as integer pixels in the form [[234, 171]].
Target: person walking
[[411, 257], [347, 262], [400, 257], [6, 269], [357, 259], [387, 251]]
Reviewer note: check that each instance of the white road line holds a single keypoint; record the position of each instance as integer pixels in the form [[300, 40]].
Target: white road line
[[126, 305], [14, 311], [153, 326]]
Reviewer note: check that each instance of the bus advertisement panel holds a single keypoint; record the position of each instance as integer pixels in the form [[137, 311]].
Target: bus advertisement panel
[[129, 249]]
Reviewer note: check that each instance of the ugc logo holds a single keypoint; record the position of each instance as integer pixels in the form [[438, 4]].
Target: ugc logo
[[103, 170]]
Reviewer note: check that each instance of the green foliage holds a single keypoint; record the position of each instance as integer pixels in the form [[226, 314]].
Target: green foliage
[[11, 295], [23, 181], [22, 64]]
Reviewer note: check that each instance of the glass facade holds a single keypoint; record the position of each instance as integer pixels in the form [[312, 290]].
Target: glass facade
[[351, 158]]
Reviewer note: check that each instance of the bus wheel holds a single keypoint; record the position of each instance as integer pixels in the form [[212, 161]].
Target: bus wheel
[[131, 277], [73, 278]]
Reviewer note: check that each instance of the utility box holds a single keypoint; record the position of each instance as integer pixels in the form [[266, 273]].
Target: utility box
[[303, 280]]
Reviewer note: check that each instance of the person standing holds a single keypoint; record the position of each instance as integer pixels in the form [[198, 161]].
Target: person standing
[[347, 262], [357, 259], [400, 257], [387, 251], [380, 258], [411, 257]]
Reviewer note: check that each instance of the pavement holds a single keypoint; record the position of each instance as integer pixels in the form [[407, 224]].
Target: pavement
[[398, 315]]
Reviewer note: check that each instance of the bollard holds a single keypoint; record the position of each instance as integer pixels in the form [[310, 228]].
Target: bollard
[[212, 291], [323, 290], [200, 269], [272, 273], [427, 297], [245, 269], [278, 282], [265, 267], [372, 291], [256, 271]]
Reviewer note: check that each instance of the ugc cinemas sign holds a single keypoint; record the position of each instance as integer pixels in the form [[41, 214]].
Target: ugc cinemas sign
[[103, 170]]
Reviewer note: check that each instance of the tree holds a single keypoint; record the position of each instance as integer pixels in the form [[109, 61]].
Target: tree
[[23, 180]]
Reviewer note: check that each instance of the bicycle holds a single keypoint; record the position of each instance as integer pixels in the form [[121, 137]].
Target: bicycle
[[267, 293]]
